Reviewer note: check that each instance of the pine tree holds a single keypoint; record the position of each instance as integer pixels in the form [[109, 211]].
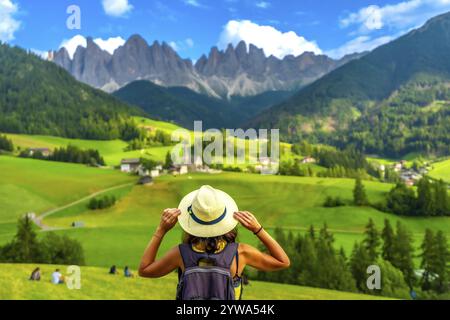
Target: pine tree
[[359, 261], [372, 240], [441, 198], [326, 235], [308, 263], [168, 163], [428, 256], [25, 246], [359, 193], [442, 260], [403, 254], [312, 232], [388, 237], [425, 198]]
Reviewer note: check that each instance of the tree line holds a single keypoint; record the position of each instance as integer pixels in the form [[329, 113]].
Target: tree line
[[25, 247], [145, 140], [431, 199], [71, 154], [316, 263]]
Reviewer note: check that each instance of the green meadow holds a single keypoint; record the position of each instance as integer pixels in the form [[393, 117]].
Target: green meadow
[[118, 235], [97, 284], [441, 170], [112, 151]]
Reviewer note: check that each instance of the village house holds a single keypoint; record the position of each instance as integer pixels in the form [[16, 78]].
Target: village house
[[398, 167], [130, 165], [306, 160], [44, 151], [155, 173], [179, 170]]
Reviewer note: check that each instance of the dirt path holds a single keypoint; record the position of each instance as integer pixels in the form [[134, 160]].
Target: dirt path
[[38, 220]]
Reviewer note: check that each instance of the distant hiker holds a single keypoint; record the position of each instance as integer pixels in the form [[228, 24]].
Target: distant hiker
[[113, 270], [36, 275], [127, 273], [57, 277], [210, 263]]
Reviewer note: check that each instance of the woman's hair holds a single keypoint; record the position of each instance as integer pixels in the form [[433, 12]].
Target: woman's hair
[[210, 244]]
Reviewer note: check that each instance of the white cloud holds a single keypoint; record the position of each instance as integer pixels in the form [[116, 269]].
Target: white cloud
[[271, 40], [110, 45], [263, 4], [186, 44], [359, 44], [174, 45], [402, 15], [8, 24], [72, 44], [189, 42], [193, 3], [116, 8], [41, 53]]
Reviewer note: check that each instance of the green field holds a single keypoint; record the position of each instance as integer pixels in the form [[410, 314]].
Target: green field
[[119, 235], [29, 185], [112, 151], [97, 284], [441, 170]]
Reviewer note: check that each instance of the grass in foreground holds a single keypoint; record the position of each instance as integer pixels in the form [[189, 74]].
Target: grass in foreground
[[97, 284]]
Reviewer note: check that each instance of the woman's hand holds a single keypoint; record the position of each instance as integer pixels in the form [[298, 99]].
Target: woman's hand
[[169, 219], [248, 220]]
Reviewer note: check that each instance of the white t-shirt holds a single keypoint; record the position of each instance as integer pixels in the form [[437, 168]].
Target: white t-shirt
[[56, 277]]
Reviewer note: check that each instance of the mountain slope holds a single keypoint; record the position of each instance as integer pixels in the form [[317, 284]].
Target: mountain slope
[[184, 106], [243, 70], [38, 97], [414, 65]]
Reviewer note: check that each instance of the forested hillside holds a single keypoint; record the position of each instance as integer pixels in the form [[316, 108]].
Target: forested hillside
[[38, 97], [384, 102]]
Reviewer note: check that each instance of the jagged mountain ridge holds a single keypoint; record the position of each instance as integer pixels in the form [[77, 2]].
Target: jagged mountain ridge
[[237, 71]]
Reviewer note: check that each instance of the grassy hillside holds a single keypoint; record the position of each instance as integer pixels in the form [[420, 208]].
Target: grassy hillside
[[35, 186], [97, 284], [113, 151], [292, 203], [441, 170]]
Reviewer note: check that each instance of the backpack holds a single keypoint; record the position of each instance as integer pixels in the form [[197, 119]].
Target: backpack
[[207, 282]]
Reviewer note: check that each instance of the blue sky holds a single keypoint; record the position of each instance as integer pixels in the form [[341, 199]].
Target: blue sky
[[192, 27]]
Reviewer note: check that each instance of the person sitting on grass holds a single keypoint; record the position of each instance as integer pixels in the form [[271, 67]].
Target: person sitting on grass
[[36, 274], [127, 273], [57, 277], [210, 262], [113, 270]]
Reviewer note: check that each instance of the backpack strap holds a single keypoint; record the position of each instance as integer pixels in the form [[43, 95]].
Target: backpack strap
[[237, 261]]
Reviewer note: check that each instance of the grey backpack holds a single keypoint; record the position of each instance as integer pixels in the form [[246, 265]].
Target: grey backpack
[[207, 281]]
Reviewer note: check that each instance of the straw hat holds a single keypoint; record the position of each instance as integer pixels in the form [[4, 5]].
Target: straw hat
[[207, 212]]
